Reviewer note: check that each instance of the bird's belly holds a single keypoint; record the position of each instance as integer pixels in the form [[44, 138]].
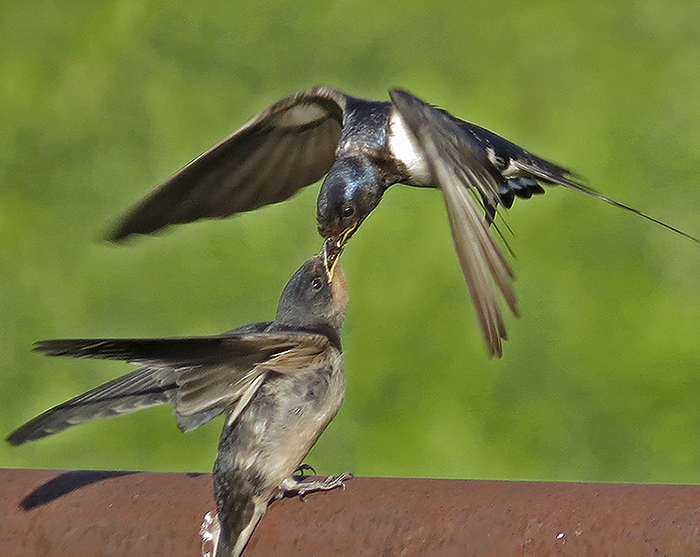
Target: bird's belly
[[283, 421], [306, 420]]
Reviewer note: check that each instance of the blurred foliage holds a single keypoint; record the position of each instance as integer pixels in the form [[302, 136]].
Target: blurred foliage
[[102, 101]]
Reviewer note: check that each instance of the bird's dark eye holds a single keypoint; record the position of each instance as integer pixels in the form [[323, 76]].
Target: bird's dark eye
[[316, 284], [348, 211]]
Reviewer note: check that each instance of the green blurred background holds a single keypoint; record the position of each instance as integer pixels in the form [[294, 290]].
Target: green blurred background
[[100, 102]]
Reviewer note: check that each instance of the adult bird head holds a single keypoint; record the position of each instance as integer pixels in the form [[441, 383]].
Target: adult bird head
[[352, 189], [315, 298]]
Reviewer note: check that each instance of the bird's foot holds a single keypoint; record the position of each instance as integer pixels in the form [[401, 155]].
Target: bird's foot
[[295, 486], [210, 530]]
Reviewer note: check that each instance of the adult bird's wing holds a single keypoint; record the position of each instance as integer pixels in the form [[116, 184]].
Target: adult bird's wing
[[460, 168], [267, 160], [200, 377]]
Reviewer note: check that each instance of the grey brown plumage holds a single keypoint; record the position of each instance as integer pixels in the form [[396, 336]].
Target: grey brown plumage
[[279, 383]]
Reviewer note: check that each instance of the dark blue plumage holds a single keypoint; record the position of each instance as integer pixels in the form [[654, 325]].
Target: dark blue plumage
[[363, 147]]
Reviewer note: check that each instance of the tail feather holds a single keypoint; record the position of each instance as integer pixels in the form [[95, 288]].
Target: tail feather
[[558, 175]]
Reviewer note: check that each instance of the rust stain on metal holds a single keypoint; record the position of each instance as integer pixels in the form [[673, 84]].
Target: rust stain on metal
[[51, 513]]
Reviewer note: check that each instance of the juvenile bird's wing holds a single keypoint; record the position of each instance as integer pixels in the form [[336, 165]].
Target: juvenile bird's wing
[[137, 390], [200, 377], [267, 160], [461, 169], [223, 385]]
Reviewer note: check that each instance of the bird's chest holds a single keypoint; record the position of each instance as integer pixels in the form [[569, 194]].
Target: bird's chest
[[285, 419], [408, 155]]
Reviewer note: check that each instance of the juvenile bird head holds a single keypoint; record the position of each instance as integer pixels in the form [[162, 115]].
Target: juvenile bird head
[[315, 298], [352, 188]]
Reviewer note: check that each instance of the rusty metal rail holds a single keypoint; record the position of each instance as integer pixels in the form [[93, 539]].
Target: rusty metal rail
[[97, 513]]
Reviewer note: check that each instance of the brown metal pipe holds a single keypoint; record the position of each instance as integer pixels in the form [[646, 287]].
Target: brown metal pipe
[[51, 513]]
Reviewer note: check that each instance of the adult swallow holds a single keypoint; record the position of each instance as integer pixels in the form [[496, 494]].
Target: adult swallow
[[279, 383], [363, 147]]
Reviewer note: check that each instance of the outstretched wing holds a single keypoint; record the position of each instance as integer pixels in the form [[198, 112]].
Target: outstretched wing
[[267, 160], [200, 377], [461, 168], [140, 389]]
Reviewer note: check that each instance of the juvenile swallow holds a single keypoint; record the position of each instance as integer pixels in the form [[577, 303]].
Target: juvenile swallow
[[279, 383], [363, 147]]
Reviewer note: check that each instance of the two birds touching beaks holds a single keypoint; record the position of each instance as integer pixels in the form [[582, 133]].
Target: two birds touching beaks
[[362, 147], [281, 382]]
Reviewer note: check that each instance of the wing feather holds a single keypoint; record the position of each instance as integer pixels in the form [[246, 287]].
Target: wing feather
[[200, 377], [460, 169], [248, 169]]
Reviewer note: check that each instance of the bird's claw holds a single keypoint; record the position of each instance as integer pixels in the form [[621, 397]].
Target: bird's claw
[[299, 472], [293, 486]]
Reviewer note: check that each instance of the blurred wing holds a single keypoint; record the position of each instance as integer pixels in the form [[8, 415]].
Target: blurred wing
[[267, 160], [461, 169], [200, 377]]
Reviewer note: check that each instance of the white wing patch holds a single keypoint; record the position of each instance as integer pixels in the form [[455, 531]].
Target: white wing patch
[[403, 147]]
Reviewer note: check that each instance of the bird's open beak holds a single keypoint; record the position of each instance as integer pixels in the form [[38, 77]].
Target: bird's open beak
[[331, 254], [334, 245], [347, 234]]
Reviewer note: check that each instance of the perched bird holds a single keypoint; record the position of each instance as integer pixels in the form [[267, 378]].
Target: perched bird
[[280, 384], [363, 147]]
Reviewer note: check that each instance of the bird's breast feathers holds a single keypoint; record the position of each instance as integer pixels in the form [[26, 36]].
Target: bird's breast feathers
[[404, 148]]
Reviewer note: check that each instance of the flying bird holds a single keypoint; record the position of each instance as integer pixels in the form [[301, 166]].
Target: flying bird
[[279, 383], [362, 147]]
